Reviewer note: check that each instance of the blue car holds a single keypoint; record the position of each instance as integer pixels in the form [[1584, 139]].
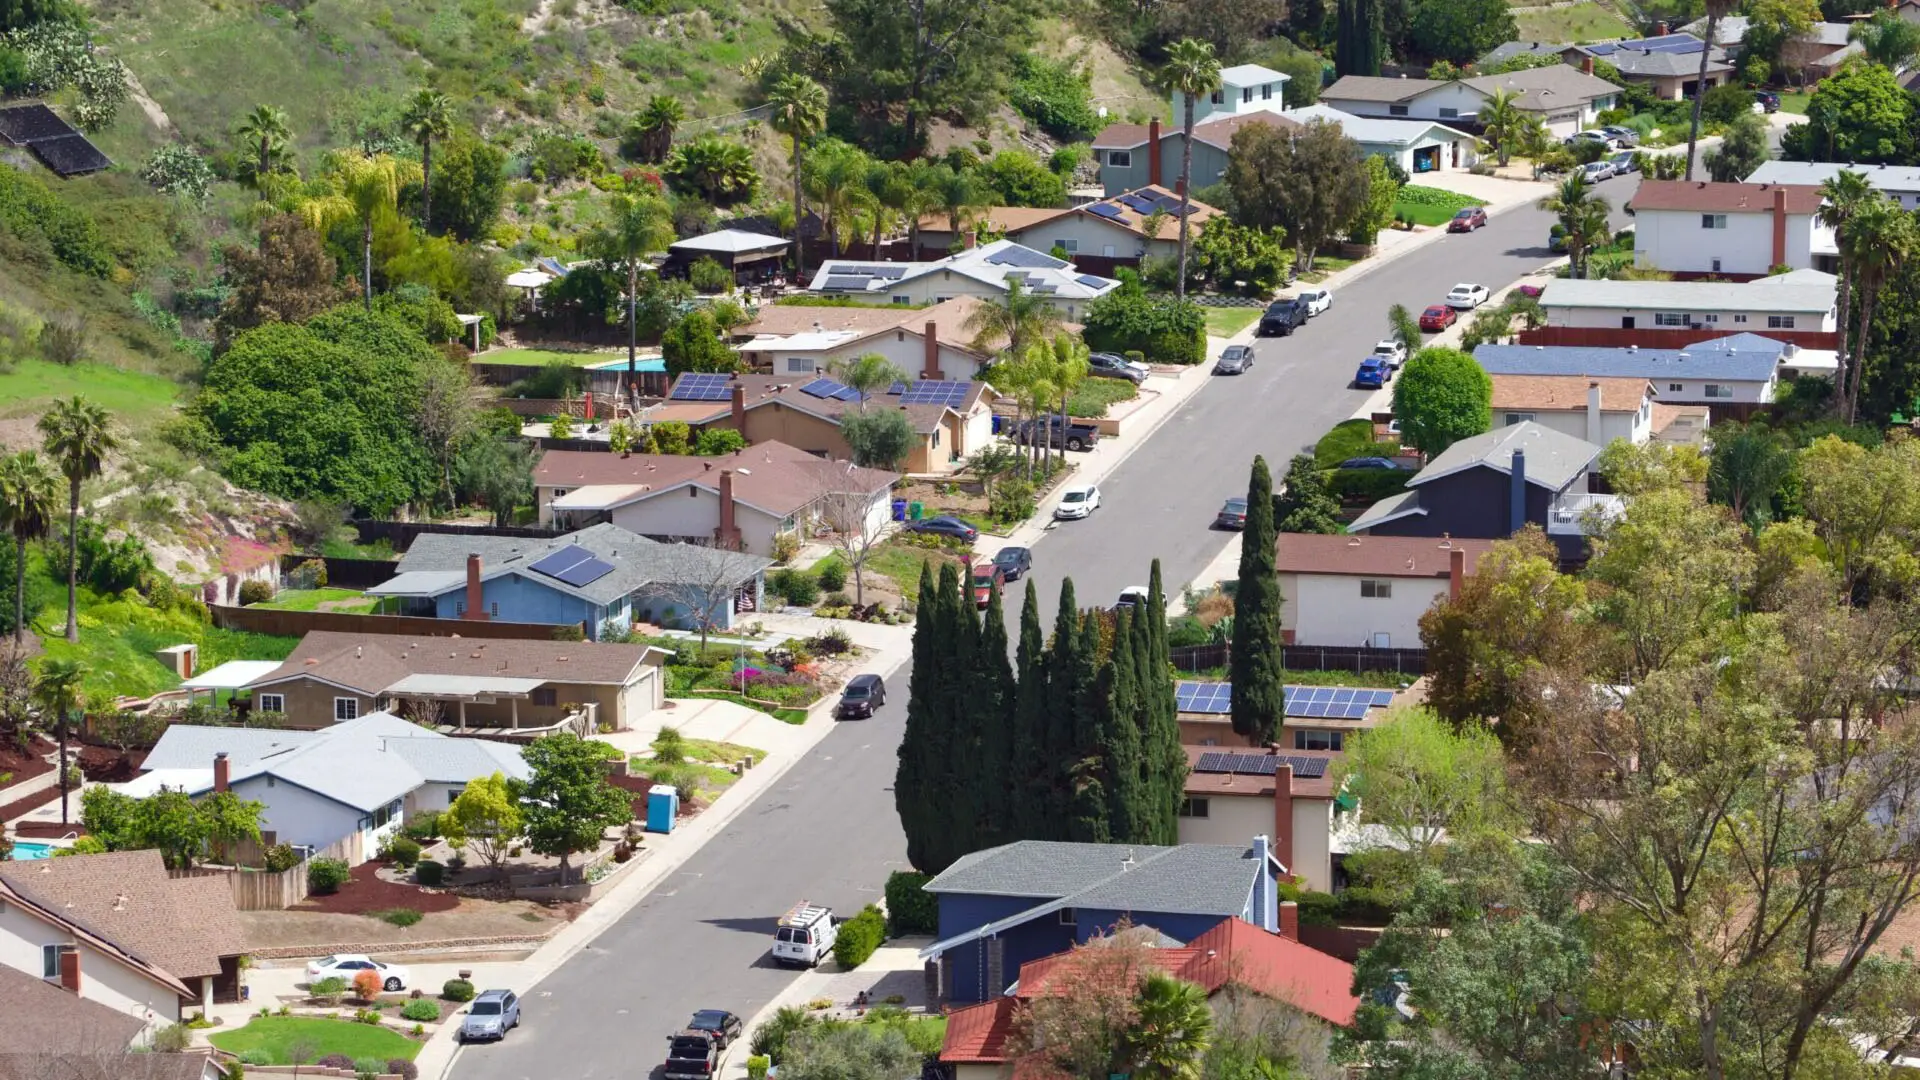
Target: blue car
[[1373, 374]]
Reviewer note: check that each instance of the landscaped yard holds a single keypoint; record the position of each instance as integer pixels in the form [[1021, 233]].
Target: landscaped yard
[[1794, 101], [1325, 266], [1588, 21], [1431, 205], [1092, 397], [278, 1035], [543, 357], [348, 600], [1228, 321]]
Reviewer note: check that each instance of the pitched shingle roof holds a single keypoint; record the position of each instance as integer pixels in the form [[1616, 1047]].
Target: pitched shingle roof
[[1553, 459], [1802, 295], [772, 477], [372, 662], [1723, 198], [1551, 393], [1208, 879], [1738, 358], [1377, 88], [637, 561], [181, 925], [1545, 89], [43, 1018]]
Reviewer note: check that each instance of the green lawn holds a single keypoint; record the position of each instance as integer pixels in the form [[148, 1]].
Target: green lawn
[[1093, 396], [278, 1035], [1325, 266], [135, 399], [311, 599], [118, 639], [1588, 21], [543, 357], [901, 562], [1431, 205], [1794, 101], [1228, 321]]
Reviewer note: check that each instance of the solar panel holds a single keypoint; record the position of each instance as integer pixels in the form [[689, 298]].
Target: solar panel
[[1169, 203], [1137, 203], [705, 386], [584, 574], [1105, 210], [897, 388], [1307, 768], [70, 155], [844, 283], [823, 388], [847, 393], [937, 392], [1015, 255], [23, 124], [1212, 762], [568, 560], [1092, 282], [1045, 290], [1337, 703]]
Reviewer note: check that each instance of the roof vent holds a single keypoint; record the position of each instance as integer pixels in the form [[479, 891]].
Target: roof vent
[[1354, 542], [1127, 863]]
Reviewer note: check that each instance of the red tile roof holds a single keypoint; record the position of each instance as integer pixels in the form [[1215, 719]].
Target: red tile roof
[[1705, 195], [979, 1033]]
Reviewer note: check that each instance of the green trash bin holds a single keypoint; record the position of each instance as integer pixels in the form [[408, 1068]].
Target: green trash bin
[[917, 511]]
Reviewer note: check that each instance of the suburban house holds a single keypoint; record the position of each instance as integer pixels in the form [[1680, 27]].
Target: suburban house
[[1492, 485], [752, 497], [1098, 236], [932, 342], [1739, 231], [52, 1031], [1901, 183], [983, 272], [1312, 717], [601, 578], [1818, 53], [1371, 590], [1743, 369], [115, 929], [1565, 99], [521, 687], [347, 787], [1235, 956], [1799, 307], [1008, 905], [1285, 793], [1597, 410], [1667, 66], [750, 256], [1417, 146], [953, 418]]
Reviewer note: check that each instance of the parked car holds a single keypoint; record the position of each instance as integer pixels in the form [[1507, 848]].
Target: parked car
[[946, 525], [1596, 171], [1014, 562], [1467, 297], [1058, 433], [1373, 374], [1316, 300], [721, 1024], [693, 1055], [1467, 219], [1282, 317], [1233, 515], [1372, 463], [1767, 100], [1133, 596], [348, 965], [1234, 360], [860, 697], [805, 935], [1437, 317], [1624, 162], [1594, 136], [985, 574], [491, 1016], [1108, 365], [1624, 137], [1532, 291], [1391, 350], [1077, 502]]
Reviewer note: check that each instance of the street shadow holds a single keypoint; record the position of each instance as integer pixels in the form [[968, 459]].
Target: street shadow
[[763, 926], [1533, 251]]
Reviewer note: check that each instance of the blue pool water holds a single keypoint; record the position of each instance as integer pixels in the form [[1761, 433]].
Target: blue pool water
[[24, 850], [645, 364]]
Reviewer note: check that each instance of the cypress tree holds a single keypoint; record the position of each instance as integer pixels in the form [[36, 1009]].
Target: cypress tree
[[1129, 797], [993, 687], [1357, 44], [962, 776], [1161, 751], [1088, 810], [1058, 744], [1258, 696], [913, 796], [1027, 814]]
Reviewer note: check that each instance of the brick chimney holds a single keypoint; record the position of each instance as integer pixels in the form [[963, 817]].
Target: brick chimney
[[1456, 572], [476, 597], [1283, 816], [1153, 151], [1179, 186], [740, 408], [70, 969], [1660, 29], [729, 533], [1290, 920], [220, 771], [930, 367], [1779, 226], [1586, 64]]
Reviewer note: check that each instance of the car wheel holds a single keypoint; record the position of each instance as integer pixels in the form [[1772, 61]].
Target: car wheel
[[1076, 444], [392, 985]]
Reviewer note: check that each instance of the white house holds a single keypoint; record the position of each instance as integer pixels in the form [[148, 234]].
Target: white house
[[1597, 410], [1244, 88], [1417, 146], [1901, 183], [1221, 805], [1731, 230], [1738, 369], [1113, 228], [932, 343], [1566, 99], [1800, 301], [982, 272], [1372, 590]]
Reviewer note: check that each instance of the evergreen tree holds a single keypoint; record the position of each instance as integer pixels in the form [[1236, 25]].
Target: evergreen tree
[[1306, 506], [913, 796], [1258, 696], [993, 685], [1161, 750], [1027, 817], [1059, 744], [1088, 809], [1357, 43], [962, 777], [1129, 790]]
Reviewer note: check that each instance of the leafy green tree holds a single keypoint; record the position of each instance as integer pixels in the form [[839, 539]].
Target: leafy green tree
[[78, 436], [1172, 1030], [268, 140], [1842, 196], [1770, 25], [1741, 150], [359, 188], [226, 819], [1749, 466], [928, 57], [1441, 397], [1461, 30], [112, 817], [57, 690], [721, 171], [799, 113], [1306, 506], [1422, 780], [29, 499], [469, 182], [1022, 179], [1231, 257], [568, 803], [429, 116], [1358, 44], [924, 746], [1257, 666], [1860, 114], [635, 226], [693, 344], [992, 691], [1309, 183], [1583, 218], [287, 277], [1879, 238], [1057, 96], [837, 186], [1191, 71], [485, 817], [879, 440], [1888, 40], [1011, 322], [1376, 213], [497, 473], [1504, 122]]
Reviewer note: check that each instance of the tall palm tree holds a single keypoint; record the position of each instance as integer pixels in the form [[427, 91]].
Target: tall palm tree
[[1018, 318], [1064, 359], [636, 226], [892, 190], [956, 193], [1191, 69], [78, 435], [29, 498], [429, 116], [363, 188], [837, 184], [869, 373], [1172, 1031], [1716, 10], [266, 133], [57, 689], [1583, 217], [799, 113], [657, 122], [1502, 121], [1882, 237], [1841, 197]]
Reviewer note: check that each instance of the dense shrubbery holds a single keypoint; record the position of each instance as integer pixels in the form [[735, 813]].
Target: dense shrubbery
[[31, 211], [910, 908], [799, 589], [1166, 330], [404, 851], [1055, 95], [859, 937], [457, 990], [420, 1009], [429, 873], [326, 876], [254, 591]]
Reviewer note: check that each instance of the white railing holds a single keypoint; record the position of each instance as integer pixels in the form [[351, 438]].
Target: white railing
[[1583, 515]]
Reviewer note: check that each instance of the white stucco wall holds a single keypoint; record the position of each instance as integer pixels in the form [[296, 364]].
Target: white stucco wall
[[1674, 240], [1327, 609], [1694, 391], [945, 284], [301, 817], [1636, 427], [907, 351], [1234, 819], [102, 979], [1086, 234], [1459, 101], [1751, 320]]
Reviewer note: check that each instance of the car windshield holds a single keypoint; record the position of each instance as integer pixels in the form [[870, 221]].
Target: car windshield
[[982, 581], [852, 693], [1236, 506], [708, 1019], [486, 1008], [1074, 496], [1008, 555], [1464, 213]]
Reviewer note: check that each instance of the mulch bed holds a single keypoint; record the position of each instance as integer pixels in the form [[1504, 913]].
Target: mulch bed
[[49, 830], [28, 765], [105, 765], [365, 892]]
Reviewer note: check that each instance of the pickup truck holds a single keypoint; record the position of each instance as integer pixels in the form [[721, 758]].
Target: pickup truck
[[1061, 433], [693, 1055]]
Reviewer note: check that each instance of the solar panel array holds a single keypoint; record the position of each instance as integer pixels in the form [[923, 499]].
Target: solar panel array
[[705, 386], [52, 140], [1105, 210], [1679, 44], [890, 273], [1305, 768], [574, 565], [1139, 204], [1327, 702], [1203, 697], [937, 392], [23, 124], [828, 388], [1024, 257], [1092, 282], [844, 283]]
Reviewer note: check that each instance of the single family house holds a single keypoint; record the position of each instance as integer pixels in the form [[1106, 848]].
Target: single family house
[[986, 272], [1734, 373], [1313, 718], [1901, 183], [932, 342], [1736, 231], [1565, 99], [1285, 793], [55, 1032], [1098, 236], [1665, 65], [1798, 307], [1366, 590], [1598, 410]]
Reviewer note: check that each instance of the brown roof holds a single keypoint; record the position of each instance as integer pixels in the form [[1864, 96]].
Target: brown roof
[[1559, 392], [1374, 556], [1121, 136], [43, 1018], [1376, 88], [372, 662], [802, 318], [180, 925], [949, 319], [1220, 133], [1262, 787], [1692, 418], [762, 390], [1007, 219], [769, 476], [1134, 221], [1728, 198]]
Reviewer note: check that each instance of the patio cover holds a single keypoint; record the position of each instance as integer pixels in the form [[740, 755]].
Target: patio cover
[[598, 496], [419, 583], [462, 686], [232, 675], [528, 279]]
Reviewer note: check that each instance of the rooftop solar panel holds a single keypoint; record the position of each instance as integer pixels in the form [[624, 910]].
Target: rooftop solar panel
[[845, 283], [937, 392], [581, 575], [897, 388], [561, 561], [70, 155], [847, 393], [1137, 203], [1105, 210], [822, 388], [23, 124], [1092, 282], [1015, 255], [706, 386], [1212, 762]]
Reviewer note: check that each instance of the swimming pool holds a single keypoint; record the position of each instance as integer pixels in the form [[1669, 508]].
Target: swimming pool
[[25, 850]]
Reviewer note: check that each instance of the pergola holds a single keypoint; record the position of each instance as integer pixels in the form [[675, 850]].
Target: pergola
[[230, 676], [461, 689]]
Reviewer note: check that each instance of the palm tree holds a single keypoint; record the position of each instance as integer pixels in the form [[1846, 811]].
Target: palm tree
[[1502, 121], [1018, 318], [1888, 40], [892, 193], [1881, 237], [429, 116], [363, 187], [869, 373], [1716, 10], [800, 113], [1064, 357], [266, 133], [57, 689], [956, 193], [636, 226], [656, 125], [1172, 1030], [1583, 217], [78, 436], [29, 496], [1192, 70], [1841, 196], [837, 184]]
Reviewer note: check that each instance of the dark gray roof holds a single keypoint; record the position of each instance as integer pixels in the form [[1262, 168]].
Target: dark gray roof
[[637, 561], [1736, 358], [1507, 50], [42, 1018], [1545, 89], [1206, 879], [1553, 458]]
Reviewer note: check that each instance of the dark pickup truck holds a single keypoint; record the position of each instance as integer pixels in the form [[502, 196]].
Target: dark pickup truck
[[693, 1055], [1062, 433]]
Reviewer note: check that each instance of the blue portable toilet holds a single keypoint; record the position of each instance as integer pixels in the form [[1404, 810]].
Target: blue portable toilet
[[663, 806]]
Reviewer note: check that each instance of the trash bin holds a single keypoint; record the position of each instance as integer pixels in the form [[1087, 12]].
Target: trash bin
[[899, 509], [663, 806], [917, 510], [997, 418]]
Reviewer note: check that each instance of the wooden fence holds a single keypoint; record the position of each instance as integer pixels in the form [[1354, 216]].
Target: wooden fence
[[261, 890], [259, 620], [344, 573], [1409, 662]]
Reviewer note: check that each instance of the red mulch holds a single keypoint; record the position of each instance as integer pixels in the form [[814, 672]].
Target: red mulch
[[105, 765], [365, 893], [14, 809], [49, 830], [28, 765]]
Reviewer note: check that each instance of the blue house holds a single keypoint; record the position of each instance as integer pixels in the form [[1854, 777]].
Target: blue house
[[600, 578], [1005, 906]]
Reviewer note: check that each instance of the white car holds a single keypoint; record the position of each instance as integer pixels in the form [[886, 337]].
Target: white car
[[347, 966], [1317, 301], [1078, 501], [1467, 297], [1392, 350]]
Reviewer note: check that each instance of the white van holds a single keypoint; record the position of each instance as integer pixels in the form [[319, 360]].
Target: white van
[[805, 936]]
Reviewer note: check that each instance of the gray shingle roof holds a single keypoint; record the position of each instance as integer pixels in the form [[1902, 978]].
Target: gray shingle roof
[[1898, 179], [1206, 879], [1553, 459], [192, 746], [44, 1019], [1738, 358], [637, 561], [1544, 89]]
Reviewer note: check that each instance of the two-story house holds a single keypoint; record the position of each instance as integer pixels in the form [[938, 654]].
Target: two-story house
[[1098, 236], [1901, 183], [1369, 591], [1737, 231], [1734, 371], [1565, 99], [1798, 307]]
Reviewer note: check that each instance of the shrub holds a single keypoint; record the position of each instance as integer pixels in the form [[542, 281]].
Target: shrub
[[401, 916], [172, 1039], [63, 340], [833, 575], [757, 1067], [719, 442], [799, 589], [708, 276], [669, 747], [334, 1061], [366, 1067], [178, 170], [404, 1069], [255, 592], [424, 825], [366, 1016], [256, 1057], [366, 985], [429, 873], [831, 643], [1367, 485], [328, 990], [1055, 95], [859, 937], [457, 990], [770, 1040], [325, 876], [1168, 331], [910, 908], [420, 1009], [404, 851], [785, 546]]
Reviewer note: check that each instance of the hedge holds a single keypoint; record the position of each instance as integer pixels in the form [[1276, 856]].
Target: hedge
[[859, 937], [1166, 330], [1367, 485], [910, 908]]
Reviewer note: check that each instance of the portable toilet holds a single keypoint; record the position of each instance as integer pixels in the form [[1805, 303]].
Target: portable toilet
[[663, 806]]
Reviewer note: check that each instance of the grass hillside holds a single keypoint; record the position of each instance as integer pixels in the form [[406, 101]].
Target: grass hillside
[[1584, 21]]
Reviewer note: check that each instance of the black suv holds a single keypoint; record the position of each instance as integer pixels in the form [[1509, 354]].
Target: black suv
[[719, 1023], [1282, 316], [863, 694]]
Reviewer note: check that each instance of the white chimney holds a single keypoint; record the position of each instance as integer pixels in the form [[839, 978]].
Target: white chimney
[[1593, 414]]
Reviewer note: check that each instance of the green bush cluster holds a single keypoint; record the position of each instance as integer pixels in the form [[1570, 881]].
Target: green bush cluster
[[1420, 195], [910, 908], [799, 589], [1056, 95], [423, 826], [832, 574], [401, 916], [429, 873], [1367, 485], [859, 937], [457, 990], [280, 857], [420, 1009], [31, 210], [326, 876], [1167, 330], [403, 851]]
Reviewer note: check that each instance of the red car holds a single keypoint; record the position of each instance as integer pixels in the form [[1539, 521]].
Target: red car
[[1468, 219], [1437, 318]]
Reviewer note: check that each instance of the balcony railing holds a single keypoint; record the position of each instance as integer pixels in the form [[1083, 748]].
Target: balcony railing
[[1583, 515]]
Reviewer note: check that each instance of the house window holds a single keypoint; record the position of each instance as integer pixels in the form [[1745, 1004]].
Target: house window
[[1218, 98], [454, 795], [1713, 221], [898, 299], [1716, 390], [459, 607], [49, 961], [1779, 322], [799, 365], [546, 695], [1266, 91], [560, 492], [1518, 418], [1372, 589], [1675, 388], [1193, 808], [1072, 246], [936, 438], [1711, 317], [941, 299], [1120, 159], [270, 702], [1716, 266], [1396, 110], [346, 708], [1246, 95], [1317, 740], [1670, 318], [1068, 918], [1739, 318], [1449, 113]]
